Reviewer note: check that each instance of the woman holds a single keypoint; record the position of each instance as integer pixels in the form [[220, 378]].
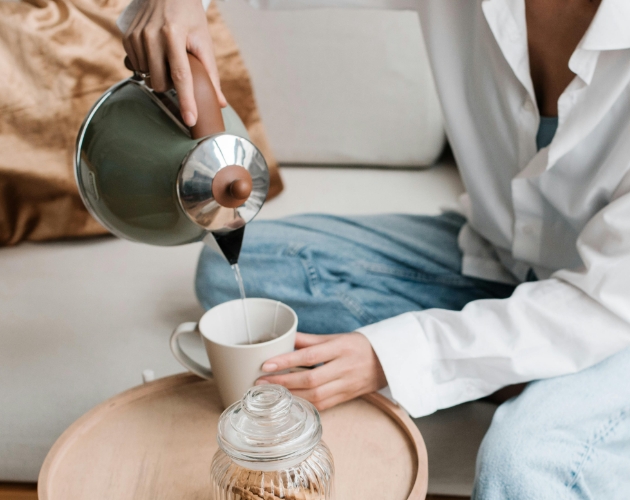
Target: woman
[[527, 283]]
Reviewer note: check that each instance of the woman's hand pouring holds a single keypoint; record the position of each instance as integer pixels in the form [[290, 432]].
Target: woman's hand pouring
[[350, 369], [157, 41]]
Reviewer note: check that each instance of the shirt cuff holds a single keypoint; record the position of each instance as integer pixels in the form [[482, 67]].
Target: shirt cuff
[[405, 355]]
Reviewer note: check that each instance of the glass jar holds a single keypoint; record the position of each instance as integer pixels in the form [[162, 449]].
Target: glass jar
[[270, 447]]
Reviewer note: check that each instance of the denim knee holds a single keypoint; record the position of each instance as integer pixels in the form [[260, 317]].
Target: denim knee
[[519, 460], [499, 463]]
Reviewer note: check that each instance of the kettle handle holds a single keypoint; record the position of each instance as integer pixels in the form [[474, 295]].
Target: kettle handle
[[209, 117]]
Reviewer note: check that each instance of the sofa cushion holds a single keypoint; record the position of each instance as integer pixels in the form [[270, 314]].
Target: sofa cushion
[[347, 86]]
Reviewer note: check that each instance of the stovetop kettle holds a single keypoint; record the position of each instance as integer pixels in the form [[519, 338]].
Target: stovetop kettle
[[146, 177]]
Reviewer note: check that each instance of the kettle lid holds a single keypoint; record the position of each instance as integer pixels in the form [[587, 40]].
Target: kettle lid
[[223, 183]]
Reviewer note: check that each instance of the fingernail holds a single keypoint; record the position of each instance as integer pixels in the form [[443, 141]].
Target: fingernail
[[189, 119], [269, 367], [261, 382]]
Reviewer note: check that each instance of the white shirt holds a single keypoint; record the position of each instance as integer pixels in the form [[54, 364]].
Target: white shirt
[[563, 211]]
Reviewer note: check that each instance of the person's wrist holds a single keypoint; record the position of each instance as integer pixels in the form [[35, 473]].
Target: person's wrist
[[379, 380]]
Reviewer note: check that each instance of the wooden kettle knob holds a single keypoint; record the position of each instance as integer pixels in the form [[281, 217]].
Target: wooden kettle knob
[[232, 184]]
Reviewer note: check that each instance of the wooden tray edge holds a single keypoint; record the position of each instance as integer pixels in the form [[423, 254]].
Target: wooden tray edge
[[419, 490], [88, 420]]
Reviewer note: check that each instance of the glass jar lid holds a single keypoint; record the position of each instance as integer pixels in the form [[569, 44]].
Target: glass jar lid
[[269, 425]]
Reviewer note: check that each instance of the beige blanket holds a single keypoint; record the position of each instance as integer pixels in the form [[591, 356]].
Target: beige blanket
[[56, 58]]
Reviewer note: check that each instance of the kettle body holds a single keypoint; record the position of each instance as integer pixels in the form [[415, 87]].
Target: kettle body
[[145, 177]]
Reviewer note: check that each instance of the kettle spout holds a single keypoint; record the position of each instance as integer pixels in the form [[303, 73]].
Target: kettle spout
[[229, 244]]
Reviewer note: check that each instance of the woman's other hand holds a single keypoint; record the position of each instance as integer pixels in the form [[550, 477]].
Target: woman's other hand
[[350, 369], [157, 42]]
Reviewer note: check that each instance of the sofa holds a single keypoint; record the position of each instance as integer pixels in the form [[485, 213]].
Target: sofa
[[352, 115]]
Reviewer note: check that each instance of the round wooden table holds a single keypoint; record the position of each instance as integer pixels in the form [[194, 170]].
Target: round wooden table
[[157, 441]]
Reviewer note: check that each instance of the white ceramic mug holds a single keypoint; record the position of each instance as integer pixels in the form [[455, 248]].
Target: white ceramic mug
[[236, 364]]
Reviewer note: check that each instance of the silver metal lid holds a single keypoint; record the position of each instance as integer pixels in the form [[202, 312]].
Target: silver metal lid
[[198, 171]]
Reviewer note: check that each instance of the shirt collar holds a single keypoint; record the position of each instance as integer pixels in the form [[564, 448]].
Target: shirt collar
[[608, 31], [610, 28], [506, 19]]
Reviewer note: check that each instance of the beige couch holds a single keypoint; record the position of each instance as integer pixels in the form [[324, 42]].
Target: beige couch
[[82, 320]]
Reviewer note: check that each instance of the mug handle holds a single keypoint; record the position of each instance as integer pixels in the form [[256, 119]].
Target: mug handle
[[182, 357]]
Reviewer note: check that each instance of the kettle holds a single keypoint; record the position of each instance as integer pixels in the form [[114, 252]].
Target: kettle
[[146, 177]]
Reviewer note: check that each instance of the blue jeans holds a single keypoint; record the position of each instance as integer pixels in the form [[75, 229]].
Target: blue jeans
[[561, 438]]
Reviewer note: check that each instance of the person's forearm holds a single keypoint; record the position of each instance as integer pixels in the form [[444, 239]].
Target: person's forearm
[[127, 16], [438, 358], [314, 4]]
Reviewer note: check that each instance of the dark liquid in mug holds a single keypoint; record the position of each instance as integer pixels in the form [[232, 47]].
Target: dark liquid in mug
[[254, 342]]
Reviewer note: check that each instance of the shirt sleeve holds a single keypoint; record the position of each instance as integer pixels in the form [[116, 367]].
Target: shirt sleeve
[[437, 358]]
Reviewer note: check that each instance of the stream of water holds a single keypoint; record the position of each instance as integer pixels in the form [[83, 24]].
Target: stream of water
[[241, 287]]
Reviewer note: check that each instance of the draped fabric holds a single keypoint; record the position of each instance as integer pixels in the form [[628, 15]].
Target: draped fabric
[[56, 58]]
